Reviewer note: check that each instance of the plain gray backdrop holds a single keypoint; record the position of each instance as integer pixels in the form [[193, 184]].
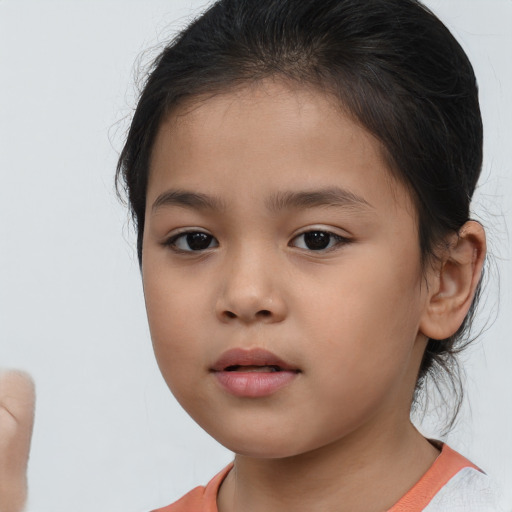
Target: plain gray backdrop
[[108, 434]]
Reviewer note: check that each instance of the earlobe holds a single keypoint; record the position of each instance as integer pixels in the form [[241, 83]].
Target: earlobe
[[453, 286]]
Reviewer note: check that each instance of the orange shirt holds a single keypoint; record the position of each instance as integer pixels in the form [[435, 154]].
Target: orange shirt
[[446, 466]]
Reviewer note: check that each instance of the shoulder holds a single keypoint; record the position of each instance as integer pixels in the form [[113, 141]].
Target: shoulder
[[469, 490], [200, 499], [191, 501], [452, 484]]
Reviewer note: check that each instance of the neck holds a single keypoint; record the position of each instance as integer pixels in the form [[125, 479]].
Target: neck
[[355, 475]]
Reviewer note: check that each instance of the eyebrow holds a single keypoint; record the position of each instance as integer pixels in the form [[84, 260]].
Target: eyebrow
[[186, 199], [327, 197], [279, 201]]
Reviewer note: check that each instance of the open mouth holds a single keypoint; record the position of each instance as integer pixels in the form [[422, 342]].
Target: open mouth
[[254, 373], [253, 368], [240, 361]]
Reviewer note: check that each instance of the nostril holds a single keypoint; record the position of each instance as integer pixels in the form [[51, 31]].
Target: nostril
[[262, 314]]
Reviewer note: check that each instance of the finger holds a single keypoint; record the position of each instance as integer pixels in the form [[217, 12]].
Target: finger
[[17, 399]]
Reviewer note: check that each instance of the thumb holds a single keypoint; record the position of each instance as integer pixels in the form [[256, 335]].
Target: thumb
[[17, 399]]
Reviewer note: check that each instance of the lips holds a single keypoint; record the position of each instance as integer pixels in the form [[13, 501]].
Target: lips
[[252, 373], [239, 359]]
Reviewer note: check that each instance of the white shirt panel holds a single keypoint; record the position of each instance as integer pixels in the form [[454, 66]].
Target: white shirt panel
[[468, 491]]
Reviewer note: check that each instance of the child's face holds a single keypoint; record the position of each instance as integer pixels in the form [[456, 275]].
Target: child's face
[[250, 172]]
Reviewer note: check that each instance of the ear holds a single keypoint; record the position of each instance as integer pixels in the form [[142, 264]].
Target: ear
[[453, 282]]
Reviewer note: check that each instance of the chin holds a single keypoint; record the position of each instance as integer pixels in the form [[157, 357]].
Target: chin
[[263, 452], [260, 446]]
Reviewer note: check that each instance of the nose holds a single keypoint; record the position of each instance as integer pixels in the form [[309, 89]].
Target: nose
[[250, 290]]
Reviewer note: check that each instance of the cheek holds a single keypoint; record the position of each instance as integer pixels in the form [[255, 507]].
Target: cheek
[[369, 316], [173, 316]]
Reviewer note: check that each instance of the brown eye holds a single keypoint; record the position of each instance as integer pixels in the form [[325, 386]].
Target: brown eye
[[192, 241], [317, 240]]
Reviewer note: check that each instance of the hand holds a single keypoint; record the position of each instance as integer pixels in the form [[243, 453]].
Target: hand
[[17, 400]]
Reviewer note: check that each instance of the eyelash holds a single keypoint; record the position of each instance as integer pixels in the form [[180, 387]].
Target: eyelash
[[172, 242], [333, 237]]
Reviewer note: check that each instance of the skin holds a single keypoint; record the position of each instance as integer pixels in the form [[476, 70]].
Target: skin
[[354, 318], [16, 421]]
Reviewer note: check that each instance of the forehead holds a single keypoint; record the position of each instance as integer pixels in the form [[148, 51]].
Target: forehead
[[273, 133], [273, 112]]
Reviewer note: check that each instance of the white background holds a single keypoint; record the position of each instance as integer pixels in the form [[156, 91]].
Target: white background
[[108, 434]]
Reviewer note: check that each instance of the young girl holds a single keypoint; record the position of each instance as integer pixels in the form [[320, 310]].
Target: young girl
[[300, 174]]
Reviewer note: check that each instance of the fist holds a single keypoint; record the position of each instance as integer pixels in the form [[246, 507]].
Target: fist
[[17, 400]]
